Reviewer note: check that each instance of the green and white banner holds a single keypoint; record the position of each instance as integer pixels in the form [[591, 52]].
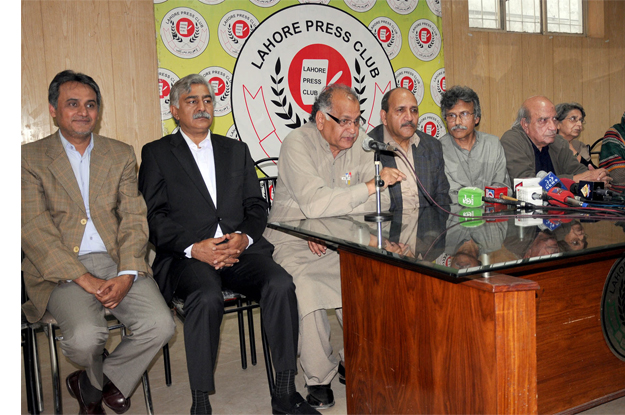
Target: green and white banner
[[268, 59]]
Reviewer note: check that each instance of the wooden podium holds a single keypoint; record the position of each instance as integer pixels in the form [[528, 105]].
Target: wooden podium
[[422, 344]]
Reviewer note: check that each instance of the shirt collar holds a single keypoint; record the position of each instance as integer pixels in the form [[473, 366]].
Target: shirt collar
[[69, 146], [203, 144], [389, 140]]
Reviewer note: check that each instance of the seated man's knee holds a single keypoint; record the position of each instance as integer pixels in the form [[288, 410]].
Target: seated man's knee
[[84, 340], [204, 300]]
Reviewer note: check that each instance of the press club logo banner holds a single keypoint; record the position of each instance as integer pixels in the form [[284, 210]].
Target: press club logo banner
[[290, 58], [268, 59]]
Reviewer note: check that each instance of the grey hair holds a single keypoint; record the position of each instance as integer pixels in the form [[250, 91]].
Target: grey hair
[[563, 109], [450, 98], [523, 114], [183, 86], [71, 76], [323, 102]]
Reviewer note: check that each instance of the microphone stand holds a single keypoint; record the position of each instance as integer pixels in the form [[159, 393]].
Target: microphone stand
[[378, 216]]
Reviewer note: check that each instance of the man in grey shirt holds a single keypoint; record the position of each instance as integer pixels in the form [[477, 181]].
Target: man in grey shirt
[[472, 158]]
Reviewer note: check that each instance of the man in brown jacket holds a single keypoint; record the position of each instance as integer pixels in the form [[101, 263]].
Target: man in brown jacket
[[84, 237]]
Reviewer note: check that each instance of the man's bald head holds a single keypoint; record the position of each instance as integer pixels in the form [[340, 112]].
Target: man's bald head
[[537, 117]]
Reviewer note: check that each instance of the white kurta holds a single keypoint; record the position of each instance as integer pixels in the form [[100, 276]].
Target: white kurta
[[313, 184]]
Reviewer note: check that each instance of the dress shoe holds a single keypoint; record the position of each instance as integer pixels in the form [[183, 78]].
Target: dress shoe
[[342, 373], [114, 399], [73, 386], [320, 396], [291, 404]]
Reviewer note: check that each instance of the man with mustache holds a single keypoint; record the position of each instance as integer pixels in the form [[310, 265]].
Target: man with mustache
[[533, 145], [472, 158], [417, 153], [206, 216], [323, 171]]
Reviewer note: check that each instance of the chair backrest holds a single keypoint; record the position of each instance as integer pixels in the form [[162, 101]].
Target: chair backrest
[[597, 151], [267, 182]]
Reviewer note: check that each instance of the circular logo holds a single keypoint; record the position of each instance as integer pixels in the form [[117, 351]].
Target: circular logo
[[221, 82], [265, 3], [315, 1], [410, 79], [234, 29], [424, 40], [403, 6], [435, 7], [437, 86], [159, 1], [388, 34], [211, 2], [166, 79], [184, 32], [432, 124], [289, 58], [360, 5], [232, 133], [613, 309]]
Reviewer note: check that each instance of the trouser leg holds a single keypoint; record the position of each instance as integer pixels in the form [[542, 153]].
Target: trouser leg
[[260, 278], [199, 287], [316, 358], [81, 319]]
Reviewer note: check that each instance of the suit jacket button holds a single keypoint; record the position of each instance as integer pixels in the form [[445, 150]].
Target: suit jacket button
[[218, 219], [83, 221], [76, 249]]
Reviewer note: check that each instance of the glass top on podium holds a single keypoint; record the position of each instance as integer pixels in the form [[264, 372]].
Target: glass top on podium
[[457, 244]]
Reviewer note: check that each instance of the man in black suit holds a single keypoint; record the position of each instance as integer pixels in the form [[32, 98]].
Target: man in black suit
[[206, 217]]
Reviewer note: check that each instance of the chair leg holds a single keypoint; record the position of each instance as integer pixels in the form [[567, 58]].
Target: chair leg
[[147, 393], [54, 368], [250, 324], [167, 364], [31, 370], [242, 335], [37, 369], [267, 354]]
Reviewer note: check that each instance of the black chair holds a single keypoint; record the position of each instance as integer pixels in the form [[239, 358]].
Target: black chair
[[267, 182], [233, 303], [596, 152], [49, 326]]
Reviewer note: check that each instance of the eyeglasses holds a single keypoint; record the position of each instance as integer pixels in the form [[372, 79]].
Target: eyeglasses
[[464, 115], [575, 120], [346, 122]]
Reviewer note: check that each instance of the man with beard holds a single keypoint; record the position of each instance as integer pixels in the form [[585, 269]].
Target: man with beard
[[532, 145], [472, 158], [419, 156]]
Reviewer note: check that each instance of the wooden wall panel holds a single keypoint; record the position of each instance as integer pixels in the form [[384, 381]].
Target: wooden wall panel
[[567, 72], [113, 41], [134, 48], [515, 66], [596, 87], [615, 36], [506, 80], [537, 72], [36, 121]]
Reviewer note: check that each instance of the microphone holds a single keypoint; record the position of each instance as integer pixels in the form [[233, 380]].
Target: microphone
[[369, 144], [562, 198], [549, 180]]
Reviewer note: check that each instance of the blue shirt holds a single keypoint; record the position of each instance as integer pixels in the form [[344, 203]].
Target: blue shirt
[[91, 240]]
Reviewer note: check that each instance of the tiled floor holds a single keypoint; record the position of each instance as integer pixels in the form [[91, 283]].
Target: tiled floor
[[238, 391]]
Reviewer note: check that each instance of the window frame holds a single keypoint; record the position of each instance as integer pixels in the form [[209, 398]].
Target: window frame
[[543, 21]]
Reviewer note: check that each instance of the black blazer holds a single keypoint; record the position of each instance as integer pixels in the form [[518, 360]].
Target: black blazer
[[429, 166], [180, 209]]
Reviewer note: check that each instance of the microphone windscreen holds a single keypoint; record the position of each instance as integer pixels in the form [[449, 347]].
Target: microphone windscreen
[[470, 197]]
